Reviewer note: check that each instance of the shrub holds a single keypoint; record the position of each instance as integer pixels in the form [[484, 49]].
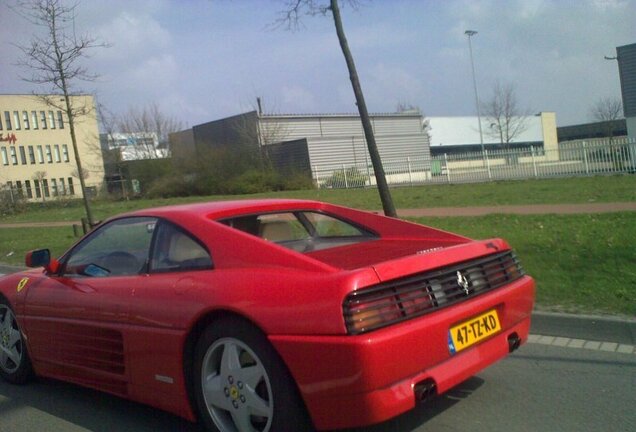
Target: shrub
[[11, 201], [346, 178]]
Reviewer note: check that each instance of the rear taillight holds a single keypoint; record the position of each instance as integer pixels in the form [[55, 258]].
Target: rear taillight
[[365, 314], [412, 296], [415, 301]]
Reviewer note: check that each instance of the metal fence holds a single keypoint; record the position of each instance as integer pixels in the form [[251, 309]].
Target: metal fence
[[577, 158]]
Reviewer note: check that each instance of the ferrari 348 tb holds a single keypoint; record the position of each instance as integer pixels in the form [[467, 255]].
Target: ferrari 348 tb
[[266, 315]]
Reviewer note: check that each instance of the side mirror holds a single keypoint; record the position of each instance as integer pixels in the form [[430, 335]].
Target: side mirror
[[41, 258], [38, 258]]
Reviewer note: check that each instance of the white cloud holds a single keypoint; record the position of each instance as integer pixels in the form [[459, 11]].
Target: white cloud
[[133, 35]]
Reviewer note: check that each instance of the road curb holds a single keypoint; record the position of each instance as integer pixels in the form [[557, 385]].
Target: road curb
[[585, 327]]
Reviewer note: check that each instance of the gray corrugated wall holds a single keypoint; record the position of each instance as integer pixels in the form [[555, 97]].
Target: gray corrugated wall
[[290, 128], [333, 152], [627, 70]]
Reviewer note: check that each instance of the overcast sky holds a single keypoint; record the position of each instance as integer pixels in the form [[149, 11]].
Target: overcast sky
[[203, 60]]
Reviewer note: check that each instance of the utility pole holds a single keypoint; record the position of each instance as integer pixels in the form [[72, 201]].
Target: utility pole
[[471, 33]]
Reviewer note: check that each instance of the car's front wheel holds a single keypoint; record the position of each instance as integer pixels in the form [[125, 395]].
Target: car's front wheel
[[241, 384], [15, 365]]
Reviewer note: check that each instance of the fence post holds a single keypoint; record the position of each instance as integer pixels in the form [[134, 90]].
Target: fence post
[[408, 161], [448, 176], [315, 176], [632, 155], [587, 165], [488, 164], [534, 162], [344, 171]]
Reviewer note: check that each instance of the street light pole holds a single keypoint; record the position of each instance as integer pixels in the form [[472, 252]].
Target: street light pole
[[470, 33]]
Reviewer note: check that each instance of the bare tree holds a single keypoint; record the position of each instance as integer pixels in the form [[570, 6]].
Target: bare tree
[[151, 126], [253, 135], [112, 158], [55, 59], [507, 121], [607, 110], [39, 177], [290, 17]]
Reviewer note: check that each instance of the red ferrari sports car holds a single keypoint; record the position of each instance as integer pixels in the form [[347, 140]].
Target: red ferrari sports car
[[266, 315]]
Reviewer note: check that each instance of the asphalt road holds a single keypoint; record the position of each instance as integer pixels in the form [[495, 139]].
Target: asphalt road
[[538, 388]]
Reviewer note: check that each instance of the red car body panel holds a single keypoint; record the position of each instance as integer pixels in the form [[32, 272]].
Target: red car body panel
[[129, 335], [377, 371]]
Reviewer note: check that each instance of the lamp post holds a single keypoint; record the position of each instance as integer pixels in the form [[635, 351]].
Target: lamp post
[[470, 33]]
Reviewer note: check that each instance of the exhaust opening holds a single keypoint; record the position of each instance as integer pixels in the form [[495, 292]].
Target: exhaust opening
[[425, 390], [514, 341]]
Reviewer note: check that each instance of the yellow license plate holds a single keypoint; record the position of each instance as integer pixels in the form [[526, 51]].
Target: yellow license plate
[[472, 331]]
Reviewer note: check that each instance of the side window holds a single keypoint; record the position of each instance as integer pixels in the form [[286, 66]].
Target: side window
[[281, 227], [175, 250], [119, 248], [327, 226]]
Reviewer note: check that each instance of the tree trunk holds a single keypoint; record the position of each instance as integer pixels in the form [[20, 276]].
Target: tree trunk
[[383, 188]]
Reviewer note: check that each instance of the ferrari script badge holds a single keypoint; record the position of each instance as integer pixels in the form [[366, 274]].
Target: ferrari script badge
[[462, 282]]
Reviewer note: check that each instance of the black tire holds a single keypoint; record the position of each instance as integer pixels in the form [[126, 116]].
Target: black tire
[[229, 351], [16, 366]]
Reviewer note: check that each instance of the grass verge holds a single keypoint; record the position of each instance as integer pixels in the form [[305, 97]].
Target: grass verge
[[582, 263], [619, 188]]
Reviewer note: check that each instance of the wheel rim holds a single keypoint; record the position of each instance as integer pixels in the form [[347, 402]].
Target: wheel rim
[[10, 341], [236, 388]]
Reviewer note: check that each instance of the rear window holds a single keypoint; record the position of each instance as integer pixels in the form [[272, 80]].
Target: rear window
[[302, 231]]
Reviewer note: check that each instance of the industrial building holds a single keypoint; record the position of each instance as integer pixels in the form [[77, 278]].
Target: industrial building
[[626, 56], [312, 143], [37, 161], [459, 135]]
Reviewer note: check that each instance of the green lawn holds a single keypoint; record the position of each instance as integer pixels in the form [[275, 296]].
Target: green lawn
[[549, 191], [582, 263]]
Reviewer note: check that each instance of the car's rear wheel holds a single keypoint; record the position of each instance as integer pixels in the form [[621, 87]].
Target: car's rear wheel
[[15, 365], [241, 384]]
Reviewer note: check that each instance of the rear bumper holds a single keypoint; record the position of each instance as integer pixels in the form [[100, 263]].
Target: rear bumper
[[349, 381]]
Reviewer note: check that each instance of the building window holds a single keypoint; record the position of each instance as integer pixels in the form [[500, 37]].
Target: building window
[[60, 120], [43, 118], [49, 155], [54, 187], [23, 158], [36, 186], [7, 119], [25, 120], [16, 120], [29, 192], [71, 188], [51, 120], [14, 156], [34, 119], [56, 152], [64, 153], [18, 186], [31, 155], [45, 187], [62, 186], [40, 154], [5, 156], [0, 122]]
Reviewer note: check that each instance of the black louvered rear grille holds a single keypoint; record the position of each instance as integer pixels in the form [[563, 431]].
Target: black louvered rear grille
[[412, 296]]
